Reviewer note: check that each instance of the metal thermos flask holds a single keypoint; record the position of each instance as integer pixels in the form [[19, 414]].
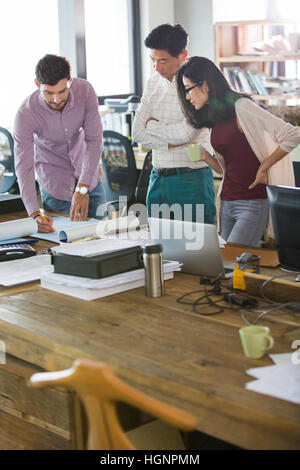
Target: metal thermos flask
[[154, 280]]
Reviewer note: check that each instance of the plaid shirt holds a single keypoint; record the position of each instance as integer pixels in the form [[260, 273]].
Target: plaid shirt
[[160, 101]]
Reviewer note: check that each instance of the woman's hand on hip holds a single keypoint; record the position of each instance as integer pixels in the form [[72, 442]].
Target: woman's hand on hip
[[261, 178]]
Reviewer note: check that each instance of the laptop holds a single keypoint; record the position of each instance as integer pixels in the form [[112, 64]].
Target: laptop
[[194, 244]]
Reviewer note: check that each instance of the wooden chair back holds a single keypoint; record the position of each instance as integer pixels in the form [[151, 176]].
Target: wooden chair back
[[100, 390]]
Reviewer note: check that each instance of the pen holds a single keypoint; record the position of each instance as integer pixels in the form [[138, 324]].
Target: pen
[[46, 221]]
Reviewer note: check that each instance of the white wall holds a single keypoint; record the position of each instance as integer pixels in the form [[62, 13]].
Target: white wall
[[197, 18], [235, 10], [67, 43], [152, 14]]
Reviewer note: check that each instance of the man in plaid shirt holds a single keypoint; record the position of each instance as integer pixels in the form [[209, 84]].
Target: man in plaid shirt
[[160, 125]]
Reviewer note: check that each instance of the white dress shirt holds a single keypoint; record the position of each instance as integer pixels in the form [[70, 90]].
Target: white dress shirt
[[160, 100]]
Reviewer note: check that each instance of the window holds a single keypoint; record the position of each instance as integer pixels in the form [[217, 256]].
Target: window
[[107, 46], [30, 29], [28, 32]]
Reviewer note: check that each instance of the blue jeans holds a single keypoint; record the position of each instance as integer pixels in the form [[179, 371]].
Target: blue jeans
[[244, 221], [194, 190], [96, 197]]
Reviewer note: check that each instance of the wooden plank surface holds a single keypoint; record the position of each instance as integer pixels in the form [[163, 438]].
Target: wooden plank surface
[[284, 288], [164, 349], [15, 434], [48, 408]]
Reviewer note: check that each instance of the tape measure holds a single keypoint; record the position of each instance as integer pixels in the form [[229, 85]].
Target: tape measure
[[247, 262], [238, 281]]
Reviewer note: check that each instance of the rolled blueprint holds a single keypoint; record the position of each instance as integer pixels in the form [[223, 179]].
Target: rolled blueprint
[[17, 228], [100, 228]]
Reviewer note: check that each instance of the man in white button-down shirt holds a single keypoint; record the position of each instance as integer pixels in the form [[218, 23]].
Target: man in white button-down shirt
[[161, 126]]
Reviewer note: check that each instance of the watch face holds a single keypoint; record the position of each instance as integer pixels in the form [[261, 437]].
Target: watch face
[[82, 190]]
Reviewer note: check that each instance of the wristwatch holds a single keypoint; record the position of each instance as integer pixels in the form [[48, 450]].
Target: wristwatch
[[81, 189]]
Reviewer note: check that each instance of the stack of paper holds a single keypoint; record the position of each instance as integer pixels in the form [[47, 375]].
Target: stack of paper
[[222, 242], [24, 270], [281, 380], [90, 289]]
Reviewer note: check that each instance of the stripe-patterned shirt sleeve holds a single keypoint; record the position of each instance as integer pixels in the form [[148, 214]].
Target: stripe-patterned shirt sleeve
[[57, 147]]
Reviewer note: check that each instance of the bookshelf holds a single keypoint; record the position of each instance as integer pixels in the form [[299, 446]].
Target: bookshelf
[[258, 71]]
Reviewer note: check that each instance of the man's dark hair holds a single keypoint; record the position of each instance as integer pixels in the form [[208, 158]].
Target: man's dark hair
[[166, 37], [51, 69]]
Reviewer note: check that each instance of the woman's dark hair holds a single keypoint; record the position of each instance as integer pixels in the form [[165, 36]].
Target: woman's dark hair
[[166, 37], [51, 69], [221, 98]]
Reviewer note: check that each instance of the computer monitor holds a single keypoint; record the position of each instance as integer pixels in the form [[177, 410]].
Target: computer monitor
[[285, 211]]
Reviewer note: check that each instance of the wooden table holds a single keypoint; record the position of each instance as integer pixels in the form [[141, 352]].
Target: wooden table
[[157, 345]]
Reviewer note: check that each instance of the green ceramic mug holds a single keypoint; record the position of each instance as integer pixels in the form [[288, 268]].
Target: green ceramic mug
[[256, 340], [194, 152]]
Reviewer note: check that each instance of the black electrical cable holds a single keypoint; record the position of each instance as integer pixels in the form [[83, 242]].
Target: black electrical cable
[[288, 308], [206, 299]]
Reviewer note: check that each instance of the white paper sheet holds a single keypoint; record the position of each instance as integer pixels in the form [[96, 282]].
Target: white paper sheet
[[88, 283], [62, 224], [142, 236], [18, 228], [93, 247], [222, 242], [281, 380], [24, 270]]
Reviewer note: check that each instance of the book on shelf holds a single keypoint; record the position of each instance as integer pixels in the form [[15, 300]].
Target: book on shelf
[[258, 84], [252, 82], [244, 81], [233, 78], [246, 86], [91, 289]]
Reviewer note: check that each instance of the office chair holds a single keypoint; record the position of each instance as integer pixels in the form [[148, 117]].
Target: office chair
[[7, 160], [137, 205], [119, 167], [143, 181], [100, 390], [117, 183], [296, 166]]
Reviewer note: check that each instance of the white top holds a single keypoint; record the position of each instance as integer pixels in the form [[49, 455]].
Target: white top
[[264, 132], [160, 101]]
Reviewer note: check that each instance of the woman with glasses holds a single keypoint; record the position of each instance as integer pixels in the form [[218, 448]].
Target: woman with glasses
[[251, 148]]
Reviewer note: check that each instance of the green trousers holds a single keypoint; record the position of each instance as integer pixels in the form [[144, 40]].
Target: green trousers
[[188, 196]]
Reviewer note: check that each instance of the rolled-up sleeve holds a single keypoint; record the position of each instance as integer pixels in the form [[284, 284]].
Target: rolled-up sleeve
[[253, 119]]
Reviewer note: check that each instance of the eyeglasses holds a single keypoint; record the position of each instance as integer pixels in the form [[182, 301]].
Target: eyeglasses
[[187, 90]]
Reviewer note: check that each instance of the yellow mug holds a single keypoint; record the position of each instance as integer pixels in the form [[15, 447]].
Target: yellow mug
[[256, 340], [194, 152]]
